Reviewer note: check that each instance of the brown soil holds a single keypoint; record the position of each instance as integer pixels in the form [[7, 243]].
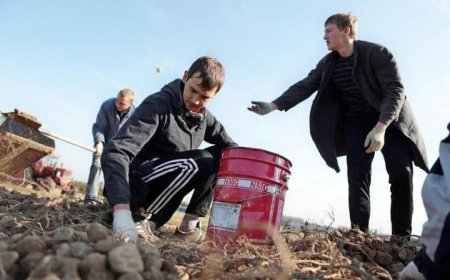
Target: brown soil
[[53, 236]]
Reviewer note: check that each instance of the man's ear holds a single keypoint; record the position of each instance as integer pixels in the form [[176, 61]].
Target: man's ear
[[347, 30], [185, 76]]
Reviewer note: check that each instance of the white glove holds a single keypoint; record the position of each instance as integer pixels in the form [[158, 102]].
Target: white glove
[[375, 138], [98, 149], [262, 108], [411, 272], [123, 224]]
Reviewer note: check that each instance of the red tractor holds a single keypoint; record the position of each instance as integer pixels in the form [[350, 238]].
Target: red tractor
[[45, 173], [26, 153]]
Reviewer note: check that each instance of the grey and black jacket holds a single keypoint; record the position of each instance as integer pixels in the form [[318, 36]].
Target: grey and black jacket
[[108, 121], [157, 129], [376, 73], [433, 260]]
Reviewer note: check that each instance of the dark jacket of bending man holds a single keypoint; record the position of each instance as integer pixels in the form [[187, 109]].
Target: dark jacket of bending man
[[154, 160]]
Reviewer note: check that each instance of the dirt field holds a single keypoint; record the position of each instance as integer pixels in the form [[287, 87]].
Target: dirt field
[[53, 236]]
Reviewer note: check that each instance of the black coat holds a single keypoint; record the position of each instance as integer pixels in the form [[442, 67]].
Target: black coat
[[375, 72]]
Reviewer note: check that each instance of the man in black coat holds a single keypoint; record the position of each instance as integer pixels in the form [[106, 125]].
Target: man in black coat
[[154, 160], [359, 109]]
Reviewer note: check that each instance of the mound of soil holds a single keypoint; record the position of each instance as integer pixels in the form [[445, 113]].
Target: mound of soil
[[59, 238]]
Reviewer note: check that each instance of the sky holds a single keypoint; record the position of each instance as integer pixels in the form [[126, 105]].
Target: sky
[[59, 60]]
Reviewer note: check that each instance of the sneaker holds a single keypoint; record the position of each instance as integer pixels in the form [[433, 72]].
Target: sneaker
[[144, 228], [399, 239], [194, 236], [91, 202]]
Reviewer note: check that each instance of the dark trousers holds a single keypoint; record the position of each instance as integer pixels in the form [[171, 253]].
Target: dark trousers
[[398, 160], [159, 186]]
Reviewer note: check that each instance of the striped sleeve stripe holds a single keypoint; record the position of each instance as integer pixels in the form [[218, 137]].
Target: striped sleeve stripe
[[188, 169], [163, 169]]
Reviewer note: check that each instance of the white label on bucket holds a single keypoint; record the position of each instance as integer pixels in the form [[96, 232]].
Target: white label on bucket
[[234, 182], [243, 183], [225, 215]]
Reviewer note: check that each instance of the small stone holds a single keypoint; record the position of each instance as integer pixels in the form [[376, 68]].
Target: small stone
[[406, 254], [64, 234], [29, 245], [31, 261], [3, 246], [148, 249], [97, 232], [105, 245], [152, 261], [63, 251], [68, 268], [130, 276], [93, 266], [3, 236], [81, 236], [150, 256], [44, 269], [16, 237], [7, 222], [125, 258], [80, 249], [383, 258], [152, 274], [8, 258]]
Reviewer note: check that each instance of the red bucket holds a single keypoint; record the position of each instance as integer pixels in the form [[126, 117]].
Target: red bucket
[[249, 195]]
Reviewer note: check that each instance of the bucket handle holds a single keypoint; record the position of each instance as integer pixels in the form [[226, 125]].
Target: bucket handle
[[285, 178]]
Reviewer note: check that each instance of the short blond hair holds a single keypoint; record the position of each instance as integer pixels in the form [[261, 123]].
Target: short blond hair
[[126, 92], [343, 20]]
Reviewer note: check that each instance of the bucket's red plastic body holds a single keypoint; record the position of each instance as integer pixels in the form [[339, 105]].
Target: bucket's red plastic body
[[249, 195]]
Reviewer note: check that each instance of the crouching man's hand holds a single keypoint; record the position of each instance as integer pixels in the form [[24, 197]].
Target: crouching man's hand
[[411, 272], [123, 224]]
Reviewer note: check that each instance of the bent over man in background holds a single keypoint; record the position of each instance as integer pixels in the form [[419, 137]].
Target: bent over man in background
[[360, 108], [113, 113], [155, 160]]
